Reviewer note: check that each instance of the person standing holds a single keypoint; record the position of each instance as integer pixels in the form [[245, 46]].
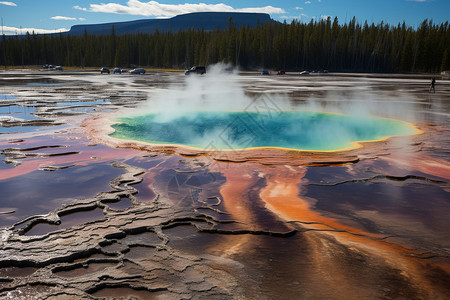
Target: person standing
[[433, 82]]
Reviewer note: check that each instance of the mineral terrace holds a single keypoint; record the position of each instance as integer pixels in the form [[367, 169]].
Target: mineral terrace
[[87, 216]]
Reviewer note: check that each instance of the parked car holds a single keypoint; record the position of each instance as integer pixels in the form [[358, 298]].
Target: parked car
[[104, 70], [117, 70], [265, 72], [59, 68], [281, 72], [47, 66], [196, 70], [304, 73], [123, 70], [137, 71]]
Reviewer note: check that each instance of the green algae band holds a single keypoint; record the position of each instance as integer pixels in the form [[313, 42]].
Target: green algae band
[[301, 130]]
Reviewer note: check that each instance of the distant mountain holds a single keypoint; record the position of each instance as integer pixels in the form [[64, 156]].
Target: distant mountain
[[206, 20]]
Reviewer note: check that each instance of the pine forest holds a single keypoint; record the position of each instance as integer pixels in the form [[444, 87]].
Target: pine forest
[[324, 44]]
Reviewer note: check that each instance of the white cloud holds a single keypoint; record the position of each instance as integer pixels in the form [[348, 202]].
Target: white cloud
[[288, 17], [153, 8], [8, 3], [63, 18], [265, 9], [80, 8], [82, 19], [308, 2], [300, 17], [14, 30], [298, 7]]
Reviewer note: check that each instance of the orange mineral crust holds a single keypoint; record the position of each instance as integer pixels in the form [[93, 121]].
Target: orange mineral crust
[[421, 162], [281, 196]]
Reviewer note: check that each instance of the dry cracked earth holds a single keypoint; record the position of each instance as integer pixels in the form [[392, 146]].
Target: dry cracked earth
[[85, 216]]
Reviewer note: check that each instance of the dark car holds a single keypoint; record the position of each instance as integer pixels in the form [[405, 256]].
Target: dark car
[[195, 70], [104, 70], [47, 66], [117, 70], [137, 71], [265, 72]]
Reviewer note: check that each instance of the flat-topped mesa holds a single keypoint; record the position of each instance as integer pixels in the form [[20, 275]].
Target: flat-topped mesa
[[203, 20]]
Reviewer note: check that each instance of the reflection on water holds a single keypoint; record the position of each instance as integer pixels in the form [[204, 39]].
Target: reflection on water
[[84, 270], [126, 292], [21, 129], [67, 221], [16, 111], [43, 84], [42, 194], [122, 204], [7, 97], [83, 102], [423, 202]]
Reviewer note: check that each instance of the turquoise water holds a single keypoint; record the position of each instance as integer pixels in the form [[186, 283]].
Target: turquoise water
[[301, 130]]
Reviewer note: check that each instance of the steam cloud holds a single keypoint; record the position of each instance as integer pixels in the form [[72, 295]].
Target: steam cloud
[[220, 90]]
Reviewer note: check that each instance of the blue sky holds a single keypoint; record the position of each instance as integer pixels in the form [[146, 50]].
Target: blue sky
[[46, 16]]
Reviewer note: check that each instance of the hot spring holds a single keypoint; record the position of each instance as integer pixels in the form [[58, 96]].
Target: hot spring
[[301, 130], [222, 110]]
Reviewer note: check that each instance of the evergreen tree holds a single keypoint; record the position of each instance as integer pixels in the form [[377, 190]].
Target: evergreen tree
[[295, 46]]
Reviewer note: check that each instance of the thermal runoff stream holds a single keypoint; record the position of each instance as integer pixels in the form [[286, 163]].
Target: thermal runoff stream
[[302, 130]]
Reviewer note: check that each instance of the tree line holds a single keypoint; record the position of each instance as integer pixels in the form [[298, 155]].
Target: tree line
[[323, 44]]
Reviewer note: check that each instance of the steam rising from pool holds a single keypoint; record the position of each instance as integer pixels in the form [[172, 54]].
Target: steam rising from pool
[[213, 112]]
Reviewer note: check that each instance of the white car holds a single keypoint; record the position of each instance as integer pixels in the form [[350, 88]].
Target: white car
[[137, 71]]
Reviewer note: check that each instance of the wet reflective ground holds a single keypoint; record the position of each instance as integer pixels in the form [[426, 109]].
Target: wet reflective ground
[[81, 219]]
